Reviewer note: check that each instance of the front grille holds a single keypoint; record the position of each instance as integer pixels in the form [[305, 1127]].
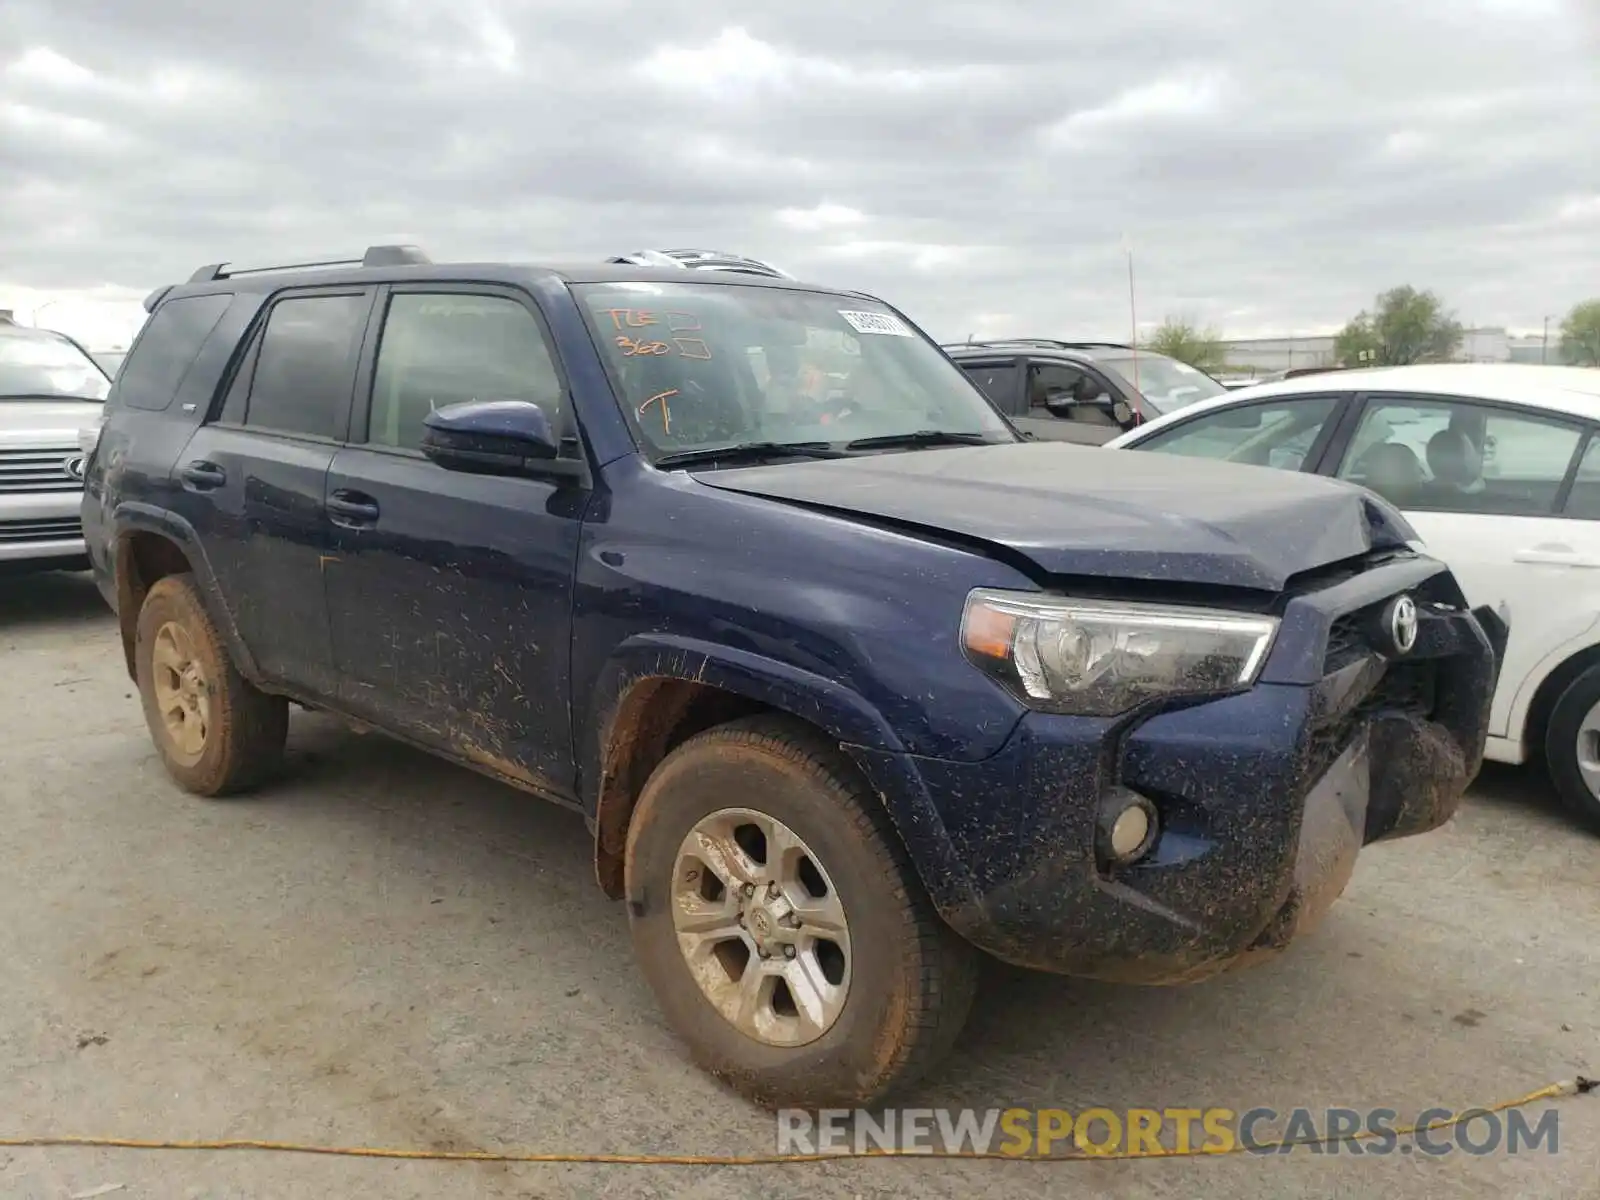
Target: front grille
[[48, 529], [38, 469], [1410, 688]]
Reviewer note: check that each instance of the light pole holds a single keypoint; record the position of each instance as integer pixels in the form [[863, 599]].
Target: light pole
[[1544, 348]]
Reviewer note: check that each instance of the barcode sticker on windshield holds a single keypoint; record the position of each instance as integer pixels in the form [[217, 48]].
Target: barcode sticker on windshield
[[871, 322]]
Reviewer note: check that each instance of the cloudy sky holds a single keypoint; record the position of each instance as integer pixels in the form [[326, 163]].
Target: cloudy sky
[[1272, 165]]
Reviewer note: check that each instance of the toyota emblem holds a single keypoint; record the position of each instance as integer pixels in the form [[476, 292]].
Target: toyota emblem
[[1401, 621], [73, 465]]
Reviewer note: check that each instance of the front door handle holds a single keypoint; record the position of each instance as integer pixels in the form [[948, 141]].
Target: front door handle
[[203, 476], [1554, 556], [352, 508]]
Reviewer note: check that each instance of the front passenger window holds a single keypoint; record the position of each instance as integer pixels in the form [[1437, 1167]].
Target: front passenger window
[[1264, 435], [1069, 394], [443, 349]]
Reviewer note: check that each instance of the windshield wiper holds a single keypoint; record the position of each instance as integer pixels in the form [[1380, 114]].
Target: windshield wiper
[[748, 452], [920, 437]]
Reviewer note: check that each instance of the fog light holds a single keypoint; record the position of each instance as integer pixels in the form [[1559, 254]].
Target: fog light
[[1129, 831], [1127, 828]]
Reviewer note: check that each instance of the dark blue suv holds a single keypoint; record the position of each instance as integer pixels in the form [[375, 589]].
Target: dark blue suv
[[849, 681]]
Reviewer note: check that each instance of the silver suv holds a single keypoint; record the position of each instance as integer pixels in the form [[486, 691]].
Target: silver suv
[[50, 391]]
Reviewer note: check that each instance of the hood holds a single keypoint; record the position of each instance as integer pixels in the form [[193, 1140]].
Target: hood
[[1087, 511], [34, 422]]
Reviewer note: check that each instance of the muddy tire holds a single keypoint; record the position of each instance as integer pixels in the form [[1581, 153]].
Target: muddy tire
[[1572, 746], [216, 733], [781, 926]]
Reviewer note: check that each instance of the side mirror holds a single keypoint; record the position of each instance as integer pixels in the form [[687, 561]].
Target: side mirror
[[1122, 413], [491, 437]]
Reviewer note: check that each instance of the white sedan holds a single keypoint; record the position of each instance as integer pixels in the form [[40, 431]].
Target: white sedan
[[1498, 468]]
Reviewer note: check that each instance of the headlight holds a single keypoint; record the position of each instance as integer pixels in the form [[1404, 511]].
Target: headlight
[[1100, 658]]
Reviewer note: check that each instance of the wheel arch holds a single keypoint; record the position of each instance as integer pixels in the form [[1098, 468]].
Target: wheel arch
[[658, 692], [1542, 701], [153, 543]]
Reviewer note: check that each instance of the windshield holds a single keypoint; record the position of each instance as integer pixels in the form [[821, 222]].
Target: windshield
[[720, 364], [1165, 382], [36, 364]]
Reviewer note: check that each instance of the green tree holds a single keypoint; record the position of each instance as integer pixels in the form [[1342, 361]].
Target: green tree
[[1580, 335], [1186, 342], [1404, 326]]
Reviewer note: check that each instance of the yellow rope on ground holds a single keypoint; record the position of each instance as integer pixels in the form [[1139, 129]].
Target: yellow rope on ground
[[1570, 1087]]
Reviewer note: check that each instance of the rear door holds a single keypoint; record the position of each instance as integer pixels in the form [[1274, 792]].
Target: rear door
[[450, 594], [999, 378], [252, 479], [1491, 490]]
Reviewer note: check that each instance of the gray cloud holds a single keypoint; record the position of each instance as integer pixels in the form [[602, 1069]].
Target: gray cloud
[[979, 165]]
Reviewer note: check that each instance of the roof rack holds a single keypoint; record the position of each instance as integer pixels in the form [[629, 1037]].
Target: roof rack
[[376, 256], [701, 260]]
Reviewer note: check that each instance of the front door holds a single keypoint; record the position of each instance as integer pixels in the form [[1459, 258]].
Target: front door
[[1486, 487], [1067, 403], [449, 594], [253, 478]]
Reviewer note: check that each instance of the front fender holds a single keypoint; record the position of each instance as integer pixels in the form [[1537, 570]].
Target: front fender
[[626, 730], [131, 517], [825, 703]]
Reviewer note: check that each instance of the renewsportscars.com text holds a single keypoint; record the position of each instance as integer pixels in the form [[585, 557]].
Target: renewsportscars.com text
[[1133, 1132]]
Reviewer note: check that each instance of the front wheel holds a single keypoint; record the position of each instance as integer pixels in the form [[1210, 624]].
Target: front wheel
[[780, 925], [1572, 745]]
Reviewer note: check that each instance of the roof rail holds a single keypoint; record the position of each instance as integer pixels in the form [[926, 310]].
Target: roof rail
[[376, 256], [701, 260], [1056, 343]]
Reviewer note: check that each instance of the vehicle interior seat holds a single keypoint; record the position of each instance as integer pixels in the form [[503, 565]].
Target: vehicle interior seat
[[1393, 471]]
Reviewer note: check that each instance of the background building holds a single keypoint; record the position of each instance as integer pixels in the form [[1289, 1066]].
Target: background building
[[1262, 356]]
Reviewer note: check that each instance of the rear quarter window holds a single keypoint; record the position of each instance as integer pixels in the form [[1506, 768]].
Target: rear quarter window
[[166, 349]]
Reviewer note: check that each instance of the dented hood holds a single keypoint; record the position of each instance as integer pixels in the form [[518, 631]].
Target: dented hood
[[1087, 511]]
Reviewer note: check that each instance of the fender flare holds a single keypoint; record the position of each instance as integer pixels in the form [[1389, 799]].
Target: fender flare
[[611, 731], [131, 517]]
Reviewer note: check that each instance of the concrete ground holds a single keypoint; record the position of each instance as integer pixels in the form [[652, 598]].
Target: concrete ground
[[385, 950]]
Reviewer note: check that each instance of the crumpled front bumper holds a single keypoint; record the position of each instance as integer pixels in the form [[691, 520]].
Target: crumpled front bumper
[[1265, 799]]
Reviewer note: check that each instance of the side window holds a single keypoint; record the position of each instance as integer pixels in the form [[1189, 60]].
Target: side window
[[998, 381], [1068, 394], [1458, 456], [304, 367], [440, 348], [1270, 434], [1584, 501], [167, 347]]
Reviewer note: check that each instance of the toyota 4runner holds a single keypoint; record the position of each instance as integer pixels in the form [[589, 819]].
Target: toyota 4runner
[[849, 680]]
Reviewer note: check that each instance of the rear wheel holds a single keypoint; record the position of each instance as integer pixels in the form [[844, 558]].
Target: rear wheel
[[1572, 745], [780, 925], [216, 732]]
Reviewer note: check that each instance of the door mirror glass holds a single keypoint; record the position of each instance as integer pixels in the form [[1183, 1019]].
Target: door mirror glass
[[1123, 412], [490, 437]]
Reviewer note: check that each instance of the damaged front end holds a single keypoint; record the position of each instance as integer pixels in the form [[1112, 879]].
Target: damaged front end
[[1368, 724]]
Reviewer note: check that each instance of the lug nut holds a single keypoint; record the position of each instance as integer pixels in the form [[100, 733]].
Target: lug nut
[[788, 951], [749, 889]]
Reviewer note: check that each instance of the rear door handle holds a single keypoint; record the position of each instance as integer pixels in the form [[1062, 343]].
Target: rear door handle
[[352, 508], [1554, 556], [203, 476]]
